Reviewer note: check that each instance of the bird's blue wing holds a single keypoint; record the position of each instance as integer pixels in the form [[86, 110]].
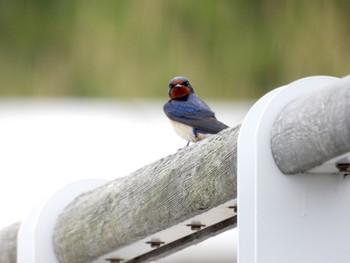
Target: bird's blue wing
[[195, 113]]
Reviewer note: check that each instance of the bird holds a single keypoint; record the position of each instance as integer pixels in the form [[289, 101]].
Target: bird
[[191, 117]]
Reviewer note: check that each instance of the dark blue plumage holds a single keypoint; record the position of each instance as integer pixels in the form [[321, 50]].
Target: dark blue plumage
[[191, 117]]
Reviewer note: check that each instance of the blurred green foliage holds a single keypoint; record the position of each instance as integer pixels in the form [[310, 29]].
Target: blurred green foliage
[[132, 48]]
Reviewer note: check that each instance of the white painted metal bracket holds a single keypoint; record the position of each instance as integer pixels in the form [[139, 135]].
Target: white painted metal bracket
[[288, 218], [339, 164], [191, 231], [34, 243]]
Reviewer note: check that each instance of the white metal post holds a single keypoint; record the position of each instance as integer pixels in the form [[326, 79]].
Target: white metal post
[[288, 218], [34, 243]]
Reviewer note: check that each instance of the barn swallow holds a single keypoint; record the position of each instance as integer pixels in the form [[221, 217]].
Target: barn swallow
[[191, 117]]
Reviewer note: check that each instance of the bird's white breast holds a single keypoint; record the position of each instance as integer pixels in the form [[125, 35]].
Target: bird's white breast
[[186, 132]]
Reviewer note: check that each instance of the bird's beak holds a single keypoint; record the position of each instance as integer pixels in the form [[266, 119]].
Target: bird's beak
[[178, 86]]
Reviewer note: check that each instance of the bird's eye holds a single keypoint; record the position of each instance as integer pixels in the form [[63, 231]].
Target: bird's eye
[[171, 86], [186, 83]]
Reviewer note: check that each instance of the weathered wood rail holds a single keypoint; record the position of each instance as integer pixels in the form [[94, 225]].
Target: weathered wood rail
[[308, 132], [313, 129]]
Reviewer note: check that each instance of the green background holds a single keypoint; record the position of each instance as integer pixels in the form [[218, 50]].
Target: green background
[[229, 49]]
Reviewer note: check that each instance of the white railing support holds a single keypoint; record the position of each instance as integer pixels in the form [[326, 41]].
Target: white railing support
[[35, 233], [289, 218]]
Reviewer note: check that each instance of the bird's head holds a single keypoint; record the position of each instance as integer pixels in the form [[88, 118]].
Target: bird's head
[[179, 87]]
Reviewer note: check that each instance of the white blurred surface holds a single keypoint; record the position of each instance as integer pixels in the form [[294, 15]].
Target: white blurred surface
[[47, 144]]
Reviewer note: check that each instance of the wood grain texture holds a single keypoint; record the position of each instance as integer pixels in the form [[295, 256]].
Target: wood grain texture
[[313, 129], [156, 197], [8, 244]]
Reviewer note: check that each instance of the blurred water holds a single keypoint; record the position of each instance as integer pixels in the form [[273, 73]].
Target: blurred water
[[45, 144]]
